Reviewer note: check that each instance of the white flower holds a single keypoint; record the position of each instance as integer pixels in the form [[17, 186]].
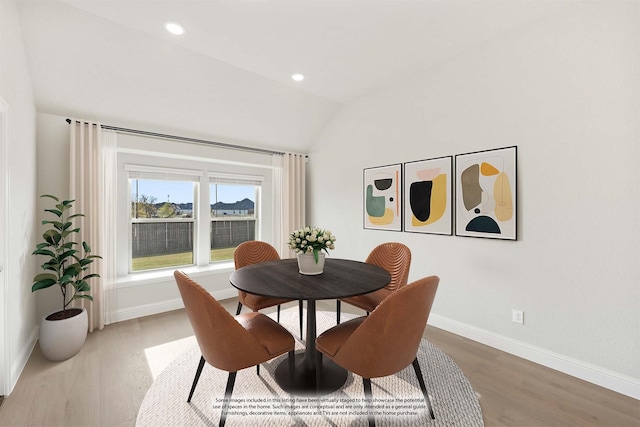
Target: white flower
[[311, 239]]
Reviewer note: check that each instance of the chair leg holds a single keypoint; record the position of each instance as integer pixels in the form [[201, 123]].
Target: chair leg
[[337, 312], [227, 398], [195, 380], [368, 397], [423, 387], [278, 313], [258, 369], [239, 308], [300, 313]]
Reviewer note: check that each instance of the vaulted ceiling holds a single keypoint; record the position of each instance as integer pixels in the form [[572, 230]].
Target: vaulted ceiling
[[228, 77]]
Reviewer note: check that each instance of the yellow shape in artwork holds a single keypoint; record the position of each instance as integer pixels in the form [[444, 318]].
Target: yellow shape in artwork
[[438, 201], [487, 169], [503, 198], [385, 219]]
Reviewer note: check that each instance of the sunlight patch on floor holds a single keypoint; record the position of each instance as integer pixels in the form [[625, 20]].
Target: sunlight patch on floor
[[160, 356]]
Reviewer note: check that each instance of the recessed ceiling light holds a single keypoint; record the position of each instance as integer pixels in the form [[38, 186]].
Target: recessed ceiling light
[[297, 77], [174, 28]]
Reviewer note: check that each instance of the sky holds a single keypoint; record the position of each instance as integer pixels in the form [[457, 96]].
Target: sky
[[182, 191]]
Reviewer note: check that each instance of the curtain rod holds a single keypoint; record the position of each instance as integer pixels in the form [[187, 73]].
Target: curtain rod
[[185, 139]]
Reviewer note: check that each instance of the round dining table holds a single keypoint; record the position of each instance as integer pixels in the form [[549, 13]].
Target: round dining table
[[341, 278]]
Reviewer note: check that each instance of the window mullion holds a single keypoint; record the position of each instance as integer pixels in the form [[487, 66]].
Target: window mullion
[[203, 223]]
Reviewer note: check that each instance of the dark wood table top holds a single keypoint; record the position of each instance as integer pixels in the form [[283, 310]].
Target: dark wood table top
[[280, 279]]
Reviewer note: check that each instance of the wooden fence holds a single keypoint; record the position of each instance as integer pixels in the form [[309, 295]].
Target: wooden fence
[[160, 238]]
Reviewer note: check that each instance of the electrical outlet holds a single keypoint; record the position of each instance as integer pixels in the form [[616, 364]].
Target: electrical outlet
[[517, 316]]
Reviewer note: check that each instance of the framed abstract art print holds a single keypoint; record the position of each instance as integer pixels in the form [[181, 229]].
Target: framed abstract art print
[[486, 194], [428, 196], [382, 195]]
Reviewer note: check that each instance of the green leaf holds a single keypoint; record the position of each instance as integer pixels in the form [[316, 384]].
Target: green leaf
[[44, 276], [42, 284], [43, 252], [72, 270], [54, 211], [68, 202], [84, 262], [86, 247], [50, 196], [89, 297], [43, 245], [56, 224], [74, 216], [66, 233], [67, 254], [83, 286], [52, 237], [50, 267], [89, 276]]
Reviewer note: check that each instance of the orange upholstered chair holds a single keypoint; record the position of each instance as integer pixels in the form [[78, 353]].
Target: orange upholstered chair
[[253, 252], [386, 341], [393, 257], [229, 343]]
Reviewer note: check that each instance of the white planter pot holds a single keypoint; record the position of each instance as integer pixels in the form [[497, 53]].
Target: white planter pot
[[307, 264], [62, 339]]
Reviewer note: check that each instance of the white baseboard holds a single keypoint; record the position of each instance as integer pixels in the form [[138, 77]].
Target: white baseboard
[[163, 306], [594, 374], [23, 357]]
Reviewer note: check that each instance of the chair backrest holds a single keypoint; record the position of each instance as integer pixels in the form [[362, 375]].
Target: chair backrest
[[224, 343], [253, 252], [387, 341], [396, 259]]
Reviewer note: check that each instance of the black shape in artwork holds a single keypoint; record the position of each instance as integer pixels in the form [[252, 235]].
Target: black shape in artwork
[[483, 224], [383, 184], [420, 199]]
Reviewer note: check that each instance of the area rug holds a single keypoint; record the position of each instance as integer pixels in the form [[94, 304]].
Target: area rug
[[259, 401]]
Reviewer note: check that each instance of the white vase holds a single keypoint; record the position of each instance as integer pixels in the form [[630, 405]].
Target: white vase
[[62, 339], [307, 264]]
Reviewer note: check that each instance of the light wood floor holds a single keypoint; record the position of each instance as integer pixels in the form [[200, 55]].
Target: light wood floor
[[105, 383]]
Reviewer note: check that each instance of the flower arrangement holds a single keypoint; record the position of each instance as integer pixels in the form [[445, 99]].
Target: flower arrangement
[[312, 239]]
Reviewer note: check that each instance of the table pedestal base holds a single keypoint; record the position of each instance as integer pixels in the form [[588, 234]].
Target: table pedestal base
[[333, 377]]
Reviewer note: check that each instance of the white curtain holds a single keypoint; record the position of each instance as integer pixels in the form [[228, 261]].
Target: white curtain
[[92, 186], [292, 207]]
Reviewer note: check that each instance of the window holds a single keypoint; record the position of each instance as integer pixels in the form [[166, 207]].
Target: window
[[188, 217], [234, 204], [162, 218]]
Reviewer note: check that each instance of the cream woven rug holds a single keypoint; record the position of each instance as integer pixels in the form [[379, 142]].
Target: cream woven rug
[[259, 401]]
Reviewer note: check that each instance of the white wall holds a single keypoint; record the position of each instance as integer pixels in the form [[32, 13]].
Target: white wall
[[565, 90], [15, 88]]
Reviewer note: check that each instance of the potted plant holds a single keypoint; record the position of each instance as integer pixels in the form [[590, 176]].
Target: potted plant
[[308, 244], [63, 332]]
